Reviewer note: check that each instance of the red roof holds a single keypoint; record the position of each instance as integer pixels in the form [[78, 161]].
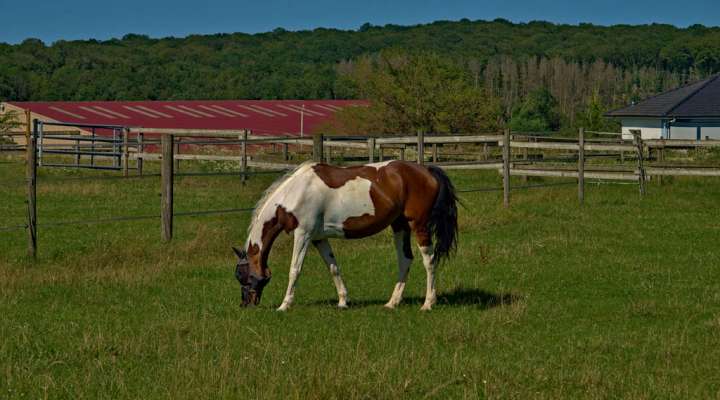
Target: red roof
[[268, 117]]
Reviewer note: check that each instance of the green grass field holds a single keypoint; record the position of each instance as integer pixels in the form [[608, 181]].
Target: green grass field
[[616, 299]]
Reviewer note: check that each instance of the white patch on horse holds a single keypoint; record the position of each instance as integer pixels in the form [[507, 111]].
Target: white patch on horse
[[303, 194], [349, 200], [280, 193], [379, 165]]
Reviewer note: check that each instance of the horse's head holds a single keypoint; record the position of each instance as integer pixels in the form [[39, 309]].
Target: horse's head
[[252, 278]]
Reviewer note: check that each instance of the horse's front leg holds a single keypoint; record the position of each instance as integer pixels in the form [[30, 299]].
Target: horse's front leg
[[323, 247], [300, 246]]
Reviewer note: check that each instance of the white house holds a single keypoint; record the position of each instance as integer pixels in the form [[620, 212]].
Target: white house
[[689, 112]]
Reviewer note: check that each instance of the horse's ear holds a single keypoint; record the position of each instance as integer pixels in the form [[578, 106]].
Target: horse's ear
[[241, 254]]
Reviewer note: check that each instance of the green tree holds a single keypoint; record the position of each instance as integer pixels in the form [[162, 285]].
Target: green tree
[[537, 113], [410, 93], [8, 121], [592, 115]]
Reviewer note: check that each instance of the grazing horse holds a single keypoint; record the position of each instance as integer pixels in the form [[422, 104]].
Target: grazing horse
[[318, 201]]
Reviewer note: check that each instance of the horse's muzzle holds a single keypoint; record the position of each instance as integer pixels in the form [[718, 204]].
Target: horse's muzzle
[[252, 292]]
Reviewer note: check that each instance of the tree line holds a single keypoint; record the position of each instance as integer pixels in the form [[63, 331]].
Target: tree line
[[535, 75]]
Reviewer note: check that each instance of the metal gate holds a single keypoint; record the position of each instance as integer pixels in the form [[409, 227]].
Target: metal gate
[[92, 151]]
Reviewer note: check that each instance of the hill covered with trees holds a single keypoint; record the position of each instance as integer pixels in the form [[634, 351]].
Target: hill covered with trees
[[575, 71]]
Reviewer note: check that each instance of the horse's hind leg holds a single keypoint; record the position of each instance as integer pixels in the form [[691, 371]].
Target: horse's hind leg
[[323, 247], [301, 243], [430, 263], [401, 231]]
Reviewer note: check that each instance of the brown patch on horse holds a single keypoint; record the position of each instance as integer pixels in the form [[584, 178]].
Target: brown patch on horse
[[336, 177], [282, 221], [366, 224], [385, 193], [398, 189]]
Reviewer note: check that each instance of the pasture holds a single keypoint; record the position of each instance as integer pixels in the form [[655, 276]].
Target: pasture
[[619, 298]]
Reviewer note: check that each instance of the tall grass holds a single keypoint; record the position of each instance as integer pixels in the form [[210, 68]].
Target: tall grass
[[619, 298]]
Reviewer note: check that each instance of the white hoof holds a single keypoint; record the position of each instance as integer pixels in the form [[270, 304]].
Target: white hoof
[[342, 306], [426, 307], [283, 307], [390, 305]]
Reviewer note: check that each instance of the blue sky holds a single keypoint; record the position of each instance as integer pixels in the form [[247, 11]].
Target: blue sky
[[83, 19]]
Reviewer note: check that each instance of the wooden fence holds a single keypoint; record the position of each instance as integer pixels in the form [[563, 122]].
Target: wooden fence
[[520, 155]]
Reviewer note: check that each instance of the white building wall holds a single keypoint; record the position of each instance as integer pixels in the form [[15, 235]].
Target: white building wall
[[649, 128], [690, 132], [683, 132], [652, 129], [710, 132]]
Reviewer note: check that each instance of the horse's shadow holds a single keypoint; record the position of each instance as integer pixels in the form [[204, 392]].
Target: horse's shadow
[[456, 297]]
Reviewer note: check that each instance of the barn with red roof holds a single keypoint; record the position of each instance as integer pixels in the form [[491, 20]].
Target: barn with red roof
[[261, 117]]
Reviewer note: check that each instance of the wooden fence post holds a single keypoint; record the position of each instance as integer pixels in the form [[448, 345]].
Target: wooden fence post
[[506, 168], [402, 152], [661, 159], [243, 156], [318, 147], [126, 152], [286, 156], [581, 165], [381, 153], [92, 148], [140, 150], [637, 138], [371, 149], [176, 151], [31, 177], [77, 152], [524, 156], [38, 133], [117, 148], [435, 152], [167, 173], [420, 147]]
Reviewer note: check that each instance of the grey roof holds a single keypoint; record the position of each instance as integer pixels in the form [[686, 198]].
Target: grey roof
[[696, 100]]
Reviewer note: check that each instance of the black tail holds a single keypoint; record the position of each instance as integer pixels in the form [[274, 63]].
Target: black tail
[[443, 223]]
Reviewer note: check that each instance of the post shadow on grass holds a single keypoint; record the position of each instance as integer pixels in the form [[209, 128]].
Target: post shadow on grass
[[458, 296]]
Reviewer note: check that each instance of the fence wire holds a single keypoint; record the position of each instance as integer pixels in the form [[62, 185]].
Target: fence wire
[[96, 221], [498, 189], [94, 178], [13, 181], [47, 179], [229, 210], [249, 173], [210, 212], [12, 228], [129, 218]]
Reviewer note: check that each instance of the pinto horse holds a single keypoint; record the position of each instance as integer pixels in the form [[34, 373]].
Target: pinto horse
[[318, 201]]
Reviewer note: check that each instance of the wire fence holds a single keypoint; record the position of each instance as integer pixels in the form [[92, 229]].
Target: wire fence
[[52, 179], [127, 218], [499, 189], [12, 228], [237, 174], [230, 210], [12, 181]]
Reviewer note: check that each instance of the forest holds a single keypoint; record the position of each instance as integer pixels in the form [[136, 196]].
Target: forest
[[531, 76]]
